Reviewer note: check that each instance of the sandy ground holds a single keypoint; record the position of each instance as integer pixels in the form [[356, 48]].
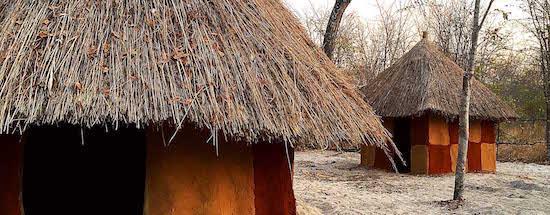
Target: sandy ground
[[328, 182]]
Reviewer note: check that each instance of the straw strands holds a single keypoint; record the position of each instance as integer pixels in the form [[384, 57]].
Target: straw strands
[[424, 79], [244, 68]]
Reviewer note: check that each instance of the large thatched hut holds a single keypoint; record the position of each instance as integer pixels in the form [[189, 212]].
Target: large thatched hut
[[419, 99], [163, 107]]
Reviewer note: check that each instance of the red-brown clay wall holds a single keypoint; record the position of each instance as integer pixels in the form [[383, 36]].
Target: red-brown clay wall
[[374, 157], [368, 156], [420, 145], [481, 146], [438, 131], [434, 147], [439, 148], [419, 159], [273, 179], [381, 160], [187, 177], [488, 132], [474, 157], [11, 159], [419, 131]]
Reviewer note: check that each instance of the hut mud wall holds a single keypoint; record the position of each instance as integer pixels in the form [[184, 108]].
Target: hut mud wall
[[185, 177], [434, 147], [11, 162], [374, 157], [189, 177], [273, 189], [430, 145]]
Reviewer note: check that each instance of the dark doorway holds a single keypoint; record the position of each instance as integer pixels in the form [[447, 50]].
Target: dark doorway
[[402, 138], [105, 174]]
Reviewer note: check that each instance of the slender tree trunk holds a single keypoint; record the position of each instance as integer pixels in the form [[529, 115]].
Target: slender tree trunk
[[333, 25], [545, 69], [547, 128], [465, 105], [463, 137], [539, 10], [545, 61]]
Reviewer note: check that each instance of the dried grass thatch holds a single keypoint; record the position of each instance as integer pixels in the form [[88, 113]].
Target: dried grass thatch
[[424, 79], [243, 68]]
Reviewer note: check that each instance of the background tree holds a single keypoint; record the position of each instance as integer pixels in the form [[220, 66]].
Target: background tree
[[539, 11], [450, 23], [389, 37], [333, 25], [465, 104], [365, 50]]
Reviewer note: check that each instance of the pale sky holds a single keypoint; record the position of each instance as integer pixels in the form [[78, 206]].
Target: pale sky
[[368, 8], [365, 8]]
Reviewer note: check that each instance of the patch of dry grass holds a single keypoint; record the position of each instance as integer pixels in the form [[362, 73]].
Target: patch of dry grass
[[535, 153], [522, 141]]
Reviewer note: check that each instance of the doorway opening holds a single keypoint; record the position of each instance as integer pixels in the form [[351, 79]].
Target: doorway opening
[[402, 139], [102, 173]]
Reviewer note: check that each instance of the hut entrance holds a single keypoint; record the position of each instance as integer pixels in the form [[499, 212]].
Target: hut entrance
[[402, 138], [63, 176]]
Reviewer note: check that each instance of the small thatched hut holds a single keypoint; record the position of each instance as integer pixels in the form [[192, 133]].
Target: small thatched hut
[[419, 99], [163, 107]]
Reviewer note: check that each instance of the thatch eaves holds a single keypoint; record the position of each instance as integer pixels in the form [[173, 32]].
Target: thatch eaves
[[426, 80], [243, 68]]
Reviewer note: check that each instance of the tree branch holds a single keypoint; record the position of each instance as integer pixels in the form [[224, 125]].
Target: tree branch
[[333, 25]]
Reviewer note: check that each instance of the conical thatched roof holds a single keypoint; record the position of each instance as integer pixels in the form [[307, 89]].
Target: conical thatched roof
[[243, 68], [424, 79]]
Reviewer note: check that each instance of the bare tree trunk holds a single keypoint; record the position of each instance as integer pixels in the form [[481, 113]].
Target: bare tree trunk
[[465, 105], [545, 69], [545, 61], [547, 128], [539, 10], [333, 25]]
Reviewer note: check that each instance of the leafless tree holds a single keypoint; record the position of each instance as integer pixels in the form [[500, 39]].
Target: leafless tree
[[539, 11], [389, 37], [465, 105], [450, 23], [333, 25], [364, 50], [348, 40]]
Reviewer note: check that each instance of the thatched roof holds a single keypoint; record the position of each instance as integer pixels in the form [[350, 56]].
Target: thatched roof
[[246, 69], [425, 79]]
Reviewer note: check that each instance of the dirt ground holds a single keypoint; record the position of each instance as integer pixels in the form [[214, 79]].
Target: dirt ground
[[328, 182]]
